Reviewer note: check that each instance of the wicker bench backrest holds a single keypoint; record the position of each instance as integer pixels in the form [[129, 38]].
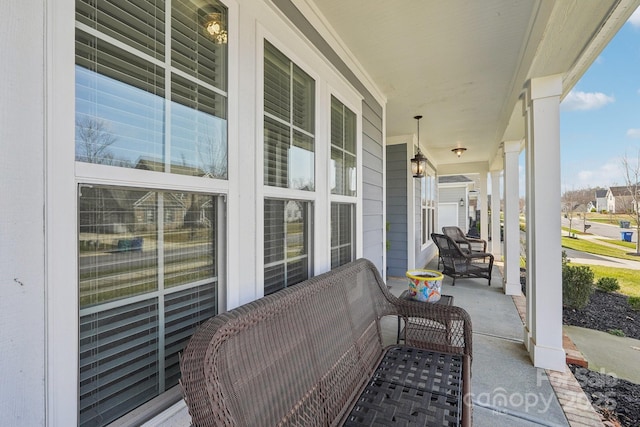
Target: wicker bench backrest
[[292, 358]]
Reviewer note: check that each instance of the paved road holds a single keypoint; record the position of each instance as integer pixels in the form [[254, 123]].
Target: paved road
[[605, 230]]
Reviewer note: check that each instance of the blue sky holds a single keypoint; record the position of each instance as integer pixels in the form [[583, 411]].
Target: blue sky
[[600, 117]]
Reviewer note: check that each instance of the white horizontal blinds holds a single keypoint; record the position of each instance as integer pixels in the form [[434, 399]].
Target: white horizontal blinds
[[274, 246], [342, 233], [289, 126], [145, 255], [343, 150], [198, 92], [277, 83], [189, 239], [192, 49], [122, 77], [119, 105], [286, 243], [137, 23], [118, 361], [184, 311], [117, 244]]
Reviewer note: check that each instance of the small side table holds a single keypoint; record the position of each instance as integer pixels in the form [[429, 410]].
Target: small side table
[[406, 295]]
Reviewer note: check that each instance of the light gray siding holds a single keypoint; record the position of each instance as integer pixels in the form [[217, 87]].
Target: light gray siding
[[372, 139], [397, 205]]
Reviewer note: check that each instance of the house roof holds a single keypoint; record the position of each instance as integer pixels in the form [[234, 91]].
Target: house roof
[[620, 191], [454, 179], [463, 65], [600, 193]]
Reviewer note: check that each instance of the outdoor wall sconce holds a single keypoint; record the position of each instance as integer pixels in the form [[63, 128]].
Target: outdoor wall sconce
[[214, 26], [459, 151], [461, 202], [419, 162]]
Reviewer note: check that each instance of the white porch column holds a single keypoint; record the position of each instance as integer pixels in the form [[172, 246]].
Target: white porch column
[[544, 271], [511, 218], [496, 244], [484, 207]]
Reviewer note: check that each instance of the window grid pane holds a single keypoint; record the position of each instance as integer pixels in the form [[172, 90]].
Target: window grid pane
[[342, 233], [289, 123], [286, 243], [121, 234], [343, 146], [121, 98]]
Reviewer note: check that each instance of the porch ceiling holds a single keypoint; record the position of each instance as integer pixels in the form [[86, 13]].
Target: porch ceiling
[[463, 64]]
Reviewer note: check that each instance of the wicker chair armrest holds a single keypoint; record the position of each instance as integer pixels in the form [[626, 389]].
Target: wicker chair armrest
[[477, 255]]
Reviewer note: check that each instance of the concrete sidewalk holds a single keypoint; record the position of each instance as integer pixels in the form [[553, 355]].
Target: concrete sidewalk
[[613, 355]]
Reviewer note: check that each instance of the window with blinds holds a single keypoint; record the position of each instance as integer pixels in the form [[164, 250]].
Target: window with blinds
[[289, 123], [343, 149], [342, 233], [147, 277], [151, 94], [129, 94], [286, 243]]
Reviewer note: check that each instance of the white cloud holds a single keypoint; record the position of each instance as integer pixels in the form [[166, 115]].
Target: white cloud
[[608, 173], [634, 19], [633, 133], [585, 101]]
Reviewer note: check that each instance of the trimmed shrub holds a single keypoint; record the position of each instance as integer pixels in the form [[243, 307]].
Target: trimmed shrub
[[634, 303], [577, 285], [607, 284]]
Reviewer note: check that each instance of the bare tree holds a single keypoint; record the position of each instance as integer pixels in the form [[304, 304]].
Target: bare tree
[[93, 141], [631, 170]]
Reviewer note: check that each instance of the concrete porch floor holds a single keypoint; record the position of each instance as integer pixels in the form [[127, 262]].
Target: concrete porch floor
[[507, 390]]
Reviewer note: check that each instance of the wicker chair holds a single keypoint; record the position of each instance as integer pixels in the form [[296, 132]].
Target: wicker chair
[[465, 242], [458, 262]]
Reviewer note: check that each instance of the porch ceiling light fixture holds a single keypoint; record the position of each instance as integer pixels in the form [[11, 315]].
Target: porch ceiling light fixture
[[419, 162], [214, 26], [459, 151]]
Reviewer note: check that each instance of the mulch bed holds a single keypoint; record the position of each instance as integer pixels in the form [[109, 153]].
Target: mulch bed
[[614, 398], [606, 311]]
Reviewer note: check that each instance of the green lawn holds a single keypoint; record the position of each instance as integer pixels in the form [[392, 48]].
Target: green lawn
[[594, 248], [629, 245], [627, 279]]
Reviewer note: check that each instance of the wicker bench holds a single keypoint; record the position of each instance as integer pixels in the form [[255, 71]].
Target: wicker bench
[[313, 355]]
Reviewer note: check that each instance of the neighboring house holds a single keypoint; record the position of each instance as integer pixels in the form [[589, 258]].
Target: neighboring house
[[620, 200], [591, 206], [601, 200]]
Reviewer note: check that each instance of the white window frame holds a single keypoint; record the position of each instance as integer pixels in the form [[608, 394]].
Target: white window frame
[[63, 174], [327, 83], [427, 208]]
